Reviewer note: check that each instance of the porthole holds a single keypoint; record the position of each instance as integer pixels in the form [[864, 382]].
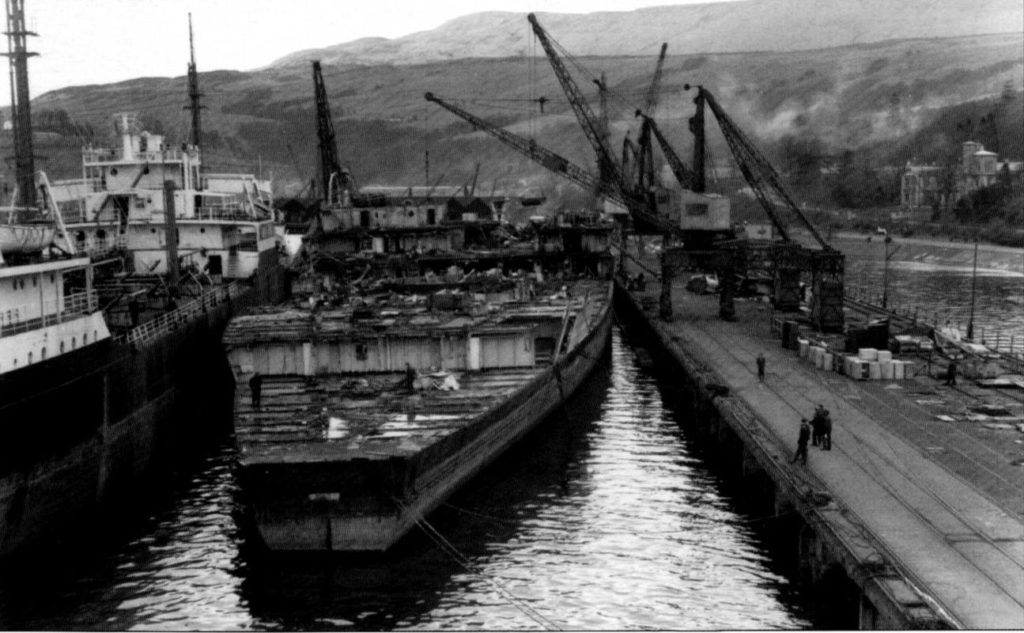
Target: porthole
[[74, 342], [202, 230], [85, 338], [42, 355], [30, 358], [62, 347]]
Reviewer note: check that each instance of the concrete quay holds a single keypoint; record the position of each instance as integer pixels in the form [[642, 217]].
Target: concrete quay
[[910, 521]]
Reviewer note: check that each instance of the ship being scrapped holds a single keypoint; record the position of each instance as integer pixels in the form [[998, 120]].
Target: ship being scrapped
[[373, 413]]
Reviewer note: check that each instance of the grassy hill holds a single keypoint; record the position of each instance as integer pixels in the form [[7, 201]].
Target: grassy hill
[[848, 99], [744, 26]]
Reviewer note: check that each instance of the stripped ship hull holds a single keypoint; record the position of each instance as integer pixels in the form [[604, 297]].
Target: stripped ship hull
[[396, 457]]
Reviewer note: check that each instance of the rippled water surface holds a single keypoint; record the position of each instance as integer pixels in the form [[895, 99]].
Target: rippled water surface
[[937, 281], [605, 518]]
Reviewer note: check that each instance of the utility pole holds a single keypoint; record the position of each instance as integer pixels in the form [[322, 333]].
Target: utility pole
[[21, 112], [193, 91]]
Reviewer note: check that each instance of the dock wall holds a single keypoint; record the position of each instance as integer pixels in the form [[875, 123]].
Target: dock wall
[[850, 576]]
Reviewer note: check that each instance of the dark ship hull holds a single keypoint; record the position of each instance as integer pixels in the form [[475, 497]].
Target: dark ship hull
[[82, 429]]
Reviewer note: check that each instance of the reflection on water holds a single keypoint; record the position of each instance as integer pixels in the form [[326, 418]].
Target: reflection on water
[[604, 518], [937, 281]]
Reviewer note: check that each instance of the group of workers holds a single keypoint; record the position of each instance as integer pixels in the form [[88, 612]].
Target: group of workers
[[817, 431]]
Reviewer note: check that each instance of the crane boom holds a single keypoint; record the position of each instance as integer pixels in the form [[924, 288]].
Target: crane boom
[[330, 167], [683, 174], [654, 90], [590, 123], [758, 172], [637, 207], [543, 156]]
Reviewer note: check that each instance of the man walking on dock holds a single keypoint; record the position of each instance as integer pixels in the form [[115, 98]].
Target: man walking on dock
[[255, 385], [760, 366], [801, 442], [826, 430]]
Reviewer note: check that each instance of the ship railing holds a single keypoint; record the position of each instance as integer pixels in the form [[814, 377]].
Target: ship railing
[[92, 156], [24, 318], [232, 211], [185, 313]]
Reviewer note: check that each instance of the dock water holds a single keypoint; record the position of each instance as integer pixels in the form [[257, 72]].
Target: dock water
[[909, 521]]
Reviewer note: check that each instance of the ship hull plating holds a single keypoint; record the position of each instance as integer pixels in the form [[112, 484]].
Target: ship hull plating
[[83, 428]]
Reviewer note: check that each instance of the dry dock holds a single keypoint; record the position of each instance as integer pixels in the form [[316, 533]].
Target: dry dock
[[910, 521]]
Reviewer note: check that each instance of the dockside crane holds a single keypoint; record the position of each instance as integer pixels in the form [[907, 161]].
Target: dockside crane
[[608, 168], [789, 258], [334, 179], [638, 157], [565, 168], [756, 170]]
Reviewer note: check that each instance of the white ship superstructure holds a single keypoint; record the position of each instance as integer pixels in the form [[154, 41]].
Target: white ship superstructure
[[223, 221], [41, 318]]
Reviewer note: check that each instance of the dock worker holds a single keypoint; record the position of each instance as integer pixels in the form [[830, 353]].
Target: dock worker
[[817, 424], [133, 311], [760, 366], [410, 377], [951, 374], [255, 385], [801, 442], [826, 430]]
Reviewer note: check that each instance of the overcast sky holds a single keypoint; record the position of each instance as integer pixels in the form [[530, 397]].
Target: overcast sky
[[101, 41]]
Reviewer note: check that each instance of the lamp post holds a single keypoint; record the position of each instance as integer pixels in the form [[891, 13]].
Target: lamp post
[[885, 270], [974, 287]]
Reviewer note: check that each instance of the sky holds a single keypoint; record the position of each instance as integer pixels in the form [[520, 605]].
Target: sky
[[103, 41]]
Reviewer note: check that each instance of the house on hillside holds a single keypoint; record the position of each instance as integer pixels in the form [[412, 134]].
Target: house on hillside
[[928, 186]]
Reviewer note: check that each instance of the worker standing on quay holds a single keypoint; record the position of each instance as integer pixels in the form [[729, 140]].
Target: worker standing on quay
[[255, 385], [760, 366], [817, 425], [801, 442], [951, 374], [826, 430], [410, 377]]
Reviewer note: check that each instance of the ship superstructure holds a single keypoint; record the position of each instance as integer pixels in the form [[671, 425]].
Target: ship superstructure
[[224, 222]]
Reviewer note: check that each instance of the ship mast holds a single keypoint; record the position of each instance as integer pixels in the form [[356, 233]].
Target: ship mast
[[21, 113], [193, 91]]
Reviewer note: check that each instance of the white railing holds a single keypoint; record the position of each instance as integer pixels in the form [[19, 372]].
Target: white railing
[[24, 318], [175, 319], [93, 156]]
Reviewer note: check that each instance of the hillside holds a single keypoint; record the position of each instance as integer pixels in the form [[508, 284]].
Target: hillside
[[845, 98], [743, 26]]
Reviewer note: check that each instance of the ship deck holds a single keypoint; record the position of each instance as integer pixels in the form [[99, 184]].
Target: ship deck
[[373, 417]]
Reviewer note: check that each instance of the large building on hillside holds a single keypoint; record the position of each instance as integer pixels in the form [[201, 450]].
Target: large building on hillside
[[923, 185]]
